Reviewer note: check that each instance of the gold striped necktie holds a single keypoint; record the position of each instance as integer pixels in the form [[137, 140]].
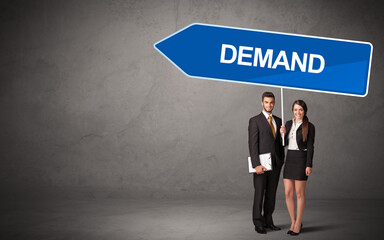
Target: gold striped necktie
[[271, 124]]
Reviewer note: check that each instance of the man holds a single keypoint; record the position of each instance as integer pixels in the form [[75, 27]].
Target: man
[[264, 137]]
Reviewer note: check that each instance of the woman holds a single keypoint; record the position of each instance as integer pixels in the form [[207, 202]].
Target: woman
[[298, 163]]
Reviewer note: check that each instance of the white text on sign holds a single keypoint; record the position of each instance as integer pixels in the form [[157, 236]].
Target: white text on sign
[[245, 54]]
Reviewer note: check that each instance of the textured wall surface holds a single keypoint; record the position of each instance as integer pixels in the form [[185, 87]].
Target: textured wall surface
[[87, 102]]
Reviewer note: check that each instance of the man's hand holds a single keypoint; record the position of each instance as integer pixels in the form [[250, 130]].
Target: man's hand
[[260, 169], [282, 130], [308, 171]]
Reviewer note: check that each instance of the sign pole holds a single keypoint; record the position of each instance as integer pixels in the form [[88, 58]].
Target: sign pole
[[282, 112]]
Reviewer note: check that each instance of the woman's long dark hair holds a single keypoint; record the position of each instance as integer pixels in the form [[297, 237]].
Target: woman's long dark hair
[[302, 104]]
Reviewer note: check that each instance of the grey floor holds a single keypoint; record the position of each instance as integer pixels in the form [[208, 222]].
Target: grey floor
[[103, 217]]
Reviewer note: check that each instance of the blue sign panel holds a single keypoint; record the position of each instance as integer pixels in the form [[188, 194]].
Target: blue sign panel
[[270, 58]]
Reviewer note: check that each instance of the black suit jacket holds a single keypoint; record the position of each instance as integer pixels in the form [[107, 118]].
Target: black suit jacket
[[309, 144], [261, 140]]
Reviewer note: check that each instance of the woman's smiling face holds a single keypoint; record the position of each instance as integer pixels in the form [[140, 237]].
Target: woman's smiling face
[[298, 111]]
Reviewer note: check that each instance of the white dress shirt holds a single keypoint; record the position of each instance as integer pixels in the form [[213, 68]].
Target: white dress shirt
[[292, 143], [273, 120]]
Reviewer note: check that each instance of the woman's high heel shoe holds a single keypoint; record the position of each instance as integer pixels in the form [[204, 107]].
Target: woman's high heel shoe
[[295, 233]]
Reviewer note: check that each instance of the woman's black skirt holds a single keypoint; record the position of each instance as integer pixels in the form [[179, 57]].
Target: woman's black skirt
[[295, 165]]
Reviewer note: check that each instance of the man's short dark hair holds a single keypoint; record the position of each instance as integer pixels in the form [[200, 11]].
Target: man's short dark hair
[[267, 94]]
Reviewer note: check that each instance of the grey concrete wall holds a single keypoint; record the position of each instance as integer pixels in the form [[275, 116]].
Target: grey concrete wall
[[87, 102]]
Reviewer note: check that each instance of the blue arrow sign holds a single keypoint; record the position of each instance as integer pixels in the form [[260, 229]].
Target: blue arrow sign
[[271, 59]]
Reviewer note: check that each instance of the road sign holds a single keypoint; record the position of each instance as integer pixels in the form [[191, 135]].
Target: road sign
[[270, 58]]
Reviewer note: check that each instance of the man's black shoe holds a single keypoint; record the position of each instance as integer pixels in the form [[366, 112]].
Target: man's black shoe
[[273, 227], [260, 230]]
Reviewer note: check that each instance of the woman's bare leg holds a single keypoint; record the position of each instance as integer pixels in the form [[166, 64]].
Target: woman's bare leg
[[300, 196], [289, 186]]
